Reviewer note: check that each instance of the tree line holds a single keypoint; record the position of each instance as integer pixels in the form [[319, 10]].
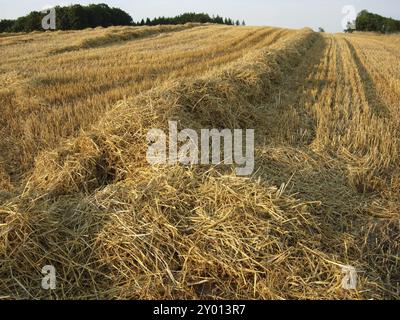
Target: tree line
[[367, 21], [72, 17], [190, 17], [78, 17]]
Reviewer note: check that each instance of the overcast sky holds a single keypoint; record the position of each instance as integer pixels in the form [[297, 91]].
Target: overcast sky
[[328, 14]]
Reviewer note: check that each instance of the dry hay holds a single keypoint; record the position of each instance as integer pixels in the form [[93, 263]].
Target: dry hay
[[5, 181], [115, 227], [118, 34], [70, 92], [118, 143], [173, 233]]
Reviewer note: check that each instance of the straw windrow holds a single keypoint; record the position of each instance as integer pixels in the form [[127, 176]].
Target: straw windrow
[[116, 227]]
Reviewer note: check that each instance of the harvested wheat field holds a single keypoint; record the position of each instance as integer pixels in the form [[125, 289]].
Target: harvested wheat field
[[77, 193]]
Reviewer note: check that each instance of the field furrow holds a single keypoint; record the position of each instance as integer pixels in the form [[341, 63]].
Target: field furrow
[[325, 140]]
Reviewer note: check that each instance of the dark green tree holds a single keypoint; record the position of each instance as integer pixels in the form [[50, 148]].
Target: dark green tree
[[71, 17], [76, 17], [6, 25], [350, 27], [367, 21]]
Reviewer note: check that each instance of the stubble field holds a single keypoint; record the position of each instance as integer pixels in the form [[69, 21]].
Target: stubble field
[[76, 191]]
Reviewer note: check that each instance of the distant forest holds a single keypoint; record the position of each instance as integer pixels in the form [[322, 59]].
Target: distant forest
[[367, 21], [77, 17]]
